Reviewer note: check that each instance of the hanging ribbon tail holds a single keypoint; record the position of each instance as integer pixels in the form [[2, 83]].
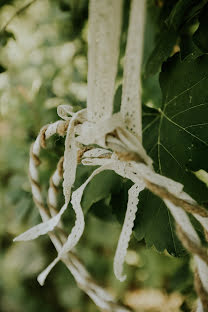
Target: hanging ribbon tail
[[42, 276], [127, 230], [42, 228], [78, 228]]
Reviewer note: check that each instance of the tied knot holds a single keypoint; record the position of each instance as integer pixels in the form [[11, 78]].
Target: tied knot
[[107, 132]]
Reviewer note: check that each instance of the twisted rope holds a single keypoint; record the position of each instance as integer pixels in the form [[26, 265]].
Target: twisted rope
[[85, 282], [200, 290]]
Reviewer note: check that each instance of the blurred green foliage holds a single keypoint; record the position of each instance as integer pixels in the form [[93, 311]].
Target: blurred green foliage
[[43, 63]]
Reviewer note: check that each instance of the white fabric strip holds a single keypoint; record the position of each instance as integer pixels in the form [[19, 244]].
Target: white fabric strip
[[95, 132], [42, 228], [70, 160], [127, 230], [131, 94], [78, 228], [103, 52], [51, 130], [70, 163], [96, 152]]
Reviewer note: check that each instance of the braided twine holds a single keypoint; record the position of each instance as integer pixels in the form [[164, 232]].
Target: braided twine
[[84, 281]]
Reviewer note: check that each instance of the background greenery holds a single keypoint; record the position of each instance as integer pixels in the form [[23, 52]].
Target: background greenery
[[43, 63]]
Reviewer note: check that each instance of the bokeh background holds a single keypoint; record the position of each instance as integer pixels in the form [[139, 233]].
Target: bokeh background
[[44, 55]]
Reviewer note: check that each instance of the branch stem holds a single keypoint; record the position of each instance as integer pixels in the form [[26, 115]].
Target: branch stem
[[18, 12]]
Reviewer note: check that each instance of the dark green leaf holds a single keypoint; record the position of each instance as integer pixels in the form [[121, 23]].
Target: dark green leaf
[[64, 5], [2, 69], [177, 140], [162, 50], [151, 92], [188, 49], [178, 14], [195, 10], [4, 2], [103, 209], [5, 36], [119, 200], [100, 187], [155, 224]]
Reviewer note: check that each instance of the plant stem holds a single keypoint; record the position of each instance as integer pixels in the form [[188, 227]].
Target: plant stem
[[18, 12]]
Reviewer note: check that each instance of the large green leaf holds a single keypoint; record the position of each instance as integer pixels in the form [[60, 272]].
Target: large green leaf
[[176, 137]]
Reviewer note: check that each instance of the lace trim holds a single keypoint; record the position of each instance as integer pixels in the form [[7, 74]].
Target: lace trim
[[103, 49], [127, 230], [131, 95]]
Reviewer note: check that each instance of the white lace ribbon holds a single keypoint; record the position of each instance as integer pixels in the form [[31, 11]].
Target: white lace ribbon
[[42, 228], [70, 164], [103, 51], [127, 230], [70, 158], [78, 228], [131, 95]]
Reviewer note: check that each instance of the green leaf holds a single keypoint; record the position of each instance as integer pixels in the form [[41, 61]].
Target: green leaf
[[119, 200], [176, 137], [64, 5], [188, 50], [179, 12], [162, 50], [200, 37], [4, 2], [103, 209], [5, 36], [2, 69], [155, 224], [100, 187], [195, 10], [151, 92]]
